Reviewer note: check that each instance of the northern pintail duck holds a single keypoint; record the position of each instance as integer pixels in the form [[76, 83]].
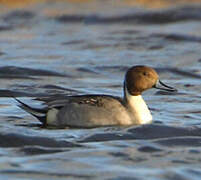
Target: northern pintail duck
[[102, 110]]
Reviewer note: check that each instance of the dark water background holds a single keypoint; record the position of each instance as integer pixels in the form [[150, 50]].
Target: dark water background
[[77, 48]]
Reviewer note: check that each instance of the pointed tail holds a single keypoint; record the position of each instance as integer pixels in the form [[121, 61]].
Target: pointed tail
[[40, 114]]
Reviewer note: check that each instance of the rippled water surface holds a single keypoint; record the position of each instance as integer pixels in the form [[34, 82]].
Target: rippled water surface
[[76, 48]]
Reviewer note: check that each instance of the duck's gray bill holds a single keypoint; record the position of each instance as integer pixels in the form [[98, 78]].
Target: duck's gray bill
[[162, 86]]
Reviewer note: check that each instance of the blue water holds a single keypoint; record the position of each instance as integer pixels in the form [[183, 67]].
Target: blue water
[[90, 54]]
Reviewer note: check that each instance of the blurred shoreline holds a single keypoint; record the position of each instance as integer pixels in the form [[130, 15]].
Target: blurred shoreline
[[117, 3]]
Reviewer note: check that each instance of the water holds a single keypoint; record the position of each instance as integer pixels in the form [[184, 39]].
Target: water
[[78, 48]]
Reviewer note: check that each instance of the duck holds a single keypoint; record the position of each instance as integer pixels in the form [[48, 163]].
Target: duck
[[97, 110]]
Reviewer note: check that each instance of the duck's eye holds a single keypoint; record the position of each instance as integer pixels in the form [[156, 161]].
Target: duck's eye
[[145, 73]]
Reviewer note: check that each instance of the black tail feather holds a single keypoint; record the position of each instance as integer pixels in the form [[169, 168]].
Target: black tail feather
[[40, 114]]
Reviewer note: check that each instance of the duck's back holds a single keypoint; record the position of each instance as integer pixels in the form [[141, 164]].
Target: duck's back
[[88, 111]]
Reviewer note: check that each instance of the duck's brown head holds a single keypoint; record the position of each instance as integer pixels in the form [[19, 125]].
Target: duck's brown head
[[141, 78]]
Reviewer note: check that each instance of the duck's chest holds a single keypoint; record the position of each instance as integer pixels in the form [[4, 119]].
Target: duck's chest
[[139, 109]]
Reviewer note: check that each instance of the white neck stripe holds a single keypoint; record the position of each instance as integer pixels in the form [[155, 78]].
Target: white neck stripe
[[138, 107]]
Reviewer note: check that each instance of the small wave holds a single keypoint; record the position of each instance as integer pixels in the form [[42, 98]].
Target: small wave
[[145, 132], [18, 140], [147, 17], [23, 72]]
